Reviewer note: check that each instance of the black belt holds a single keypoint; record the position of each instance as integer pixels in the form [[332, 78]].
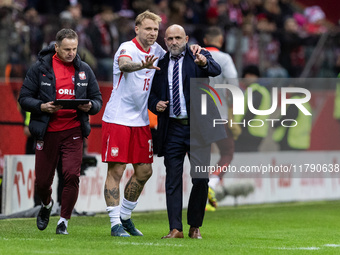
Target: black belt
[[184, 122]]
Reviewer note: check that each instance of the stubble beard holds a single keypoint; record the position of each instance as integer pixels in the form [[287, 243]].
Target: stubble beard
[[175, 51]]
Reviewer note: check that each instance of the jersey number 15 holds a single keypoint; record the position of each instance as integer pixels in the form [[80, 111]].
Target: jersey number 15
[[146, 84]]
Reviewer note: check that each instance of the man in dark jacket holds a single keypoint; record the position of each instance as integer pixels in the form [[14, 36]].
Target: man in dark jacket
[[175, 98], [59, 73]]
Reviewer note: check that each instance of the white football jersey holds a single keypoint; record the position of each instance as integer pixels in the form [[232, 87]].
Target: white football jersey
[[128, 104]]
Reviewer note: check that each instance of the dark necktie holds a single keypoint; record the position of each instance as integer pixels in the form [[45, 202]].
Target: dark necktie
[[175, 86]]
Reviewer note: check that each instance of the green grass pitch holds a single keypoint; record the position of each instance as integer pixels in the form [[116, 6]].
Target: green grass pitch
[[288, 228]]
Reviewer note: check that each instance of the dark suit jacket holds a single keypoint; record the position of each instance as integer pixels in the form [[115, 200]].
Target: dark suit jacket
[[160, 91]]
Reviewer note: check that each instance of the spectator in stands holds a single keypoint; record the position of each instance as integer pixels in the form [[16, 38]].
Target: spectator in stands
[[177, 12], [315, 20], [104, 38], [286, 8], [223, 16], [268, 48], [42, 18], [36, 37], [19, 48], [292, 55], [272, 11], [265, 24], [255, 6], [195, 12], [249, 45], [235, 11], [72, 18]]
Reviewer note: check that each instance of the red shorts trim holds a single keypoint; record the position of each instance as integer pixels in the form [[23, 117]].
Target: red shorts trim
[[126, 144]]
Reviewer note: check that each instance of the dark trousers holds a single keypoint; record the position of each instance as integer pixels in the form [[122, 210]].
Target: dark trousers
[[68, 145], [176, 147]]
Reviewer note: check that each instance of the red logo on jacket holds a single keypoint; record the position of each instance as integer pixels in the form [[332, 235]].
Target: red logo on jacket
[[82, 76]]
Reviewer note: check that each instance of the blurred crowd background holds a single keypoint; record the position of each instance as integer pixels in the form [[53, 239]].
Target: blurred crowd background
[[282, 37]]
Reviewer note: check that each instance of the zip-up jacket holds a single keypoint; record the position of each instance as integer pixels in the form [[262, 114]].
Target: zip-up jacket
[[40, 87]]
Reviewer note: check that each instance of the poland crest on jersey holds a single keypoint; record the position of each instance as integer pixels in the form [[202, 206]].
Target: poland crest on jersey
[[82, 75], [114, 151]]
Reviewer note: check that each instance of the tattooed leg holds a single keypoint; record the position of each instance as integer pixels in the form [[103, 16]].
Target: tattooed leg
[[111, 189], [135, 185]]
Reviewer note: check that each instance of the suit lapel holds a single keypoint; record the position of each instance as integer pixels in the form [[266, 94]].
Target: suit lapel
[[165, 67], [184, 68]]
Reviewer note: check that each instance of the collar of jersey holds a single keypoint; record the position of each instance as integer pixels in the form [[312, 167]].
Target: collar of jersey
[[140, 46], [212, 48]]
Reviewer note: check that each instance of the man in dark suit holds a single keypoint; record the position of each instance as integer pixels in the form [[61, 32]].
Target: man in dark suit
[[170, 100]]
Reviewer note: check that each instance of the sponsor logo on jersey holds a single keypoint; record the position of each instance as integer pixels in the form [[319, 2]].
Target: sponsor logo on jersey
[[122, 52], [114, 151], [40, 145], [66, 92], [45, 84], [82, 75]]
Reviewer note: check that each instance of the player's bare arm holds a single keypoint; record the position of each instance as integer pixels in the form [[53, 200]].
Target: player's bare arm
[[127, 65]]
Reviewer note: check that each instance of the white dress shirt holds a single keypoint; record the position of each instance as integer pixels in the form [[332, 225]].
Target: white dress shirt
[[183, 114]]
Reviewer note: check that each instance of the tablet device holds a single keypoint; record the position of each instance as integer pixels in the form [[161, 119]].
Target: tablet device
[[71, 103]]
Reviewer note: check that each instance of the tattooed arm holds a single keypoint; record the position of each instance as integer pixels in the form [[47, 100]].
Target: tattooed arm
[[127, 65]]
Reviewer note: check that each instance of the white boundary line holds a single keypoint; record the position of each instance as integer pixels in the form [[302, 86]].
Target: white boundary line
[[296, 248], [332, 245], [181, 245]]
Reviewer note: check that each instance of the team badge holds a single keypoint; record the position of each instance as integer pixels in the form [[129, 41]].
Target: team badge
[[82, 76], [122, 52], [114, 151], [40, 145]]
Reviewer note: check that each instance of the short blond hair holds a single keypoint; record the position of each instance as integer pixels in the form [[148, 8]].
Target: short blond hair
[[147, 15]]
